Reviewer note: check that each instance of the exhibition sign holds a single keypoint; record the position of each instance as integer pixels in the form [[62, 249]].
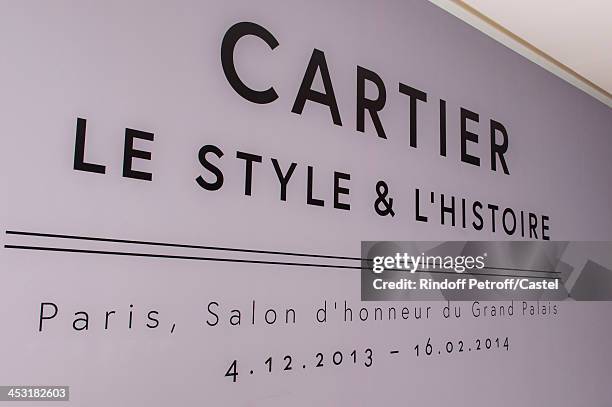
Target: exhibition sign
[[186, 190]]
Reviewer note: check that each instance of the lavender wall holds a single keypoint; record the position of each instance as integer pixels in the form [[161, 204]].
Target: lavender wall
[[155, 67]]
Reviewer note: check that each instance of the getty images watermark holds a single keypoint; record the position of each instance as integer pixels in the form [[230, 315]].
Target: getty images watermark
[[468, 270], [448, 264]]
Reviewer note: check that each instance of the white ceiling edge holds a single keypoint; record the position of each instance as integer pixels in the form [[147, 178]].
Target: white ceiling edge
[[458, 11]]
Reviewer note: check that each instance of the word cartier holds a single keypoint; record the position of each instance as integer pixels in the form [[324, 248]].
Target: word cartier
[[370, 104]]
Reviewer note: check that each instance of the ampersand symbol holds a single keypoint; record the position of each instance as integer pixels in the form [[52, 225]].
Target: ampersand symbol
[[383, 206]]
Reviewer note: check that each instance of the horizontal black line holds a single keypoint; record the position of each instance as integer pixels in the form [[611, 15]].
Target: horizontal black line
[[172, 256], [229, 249], [228, 260], [393, 352], [517, 269], [497, 268], [180, 245]]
